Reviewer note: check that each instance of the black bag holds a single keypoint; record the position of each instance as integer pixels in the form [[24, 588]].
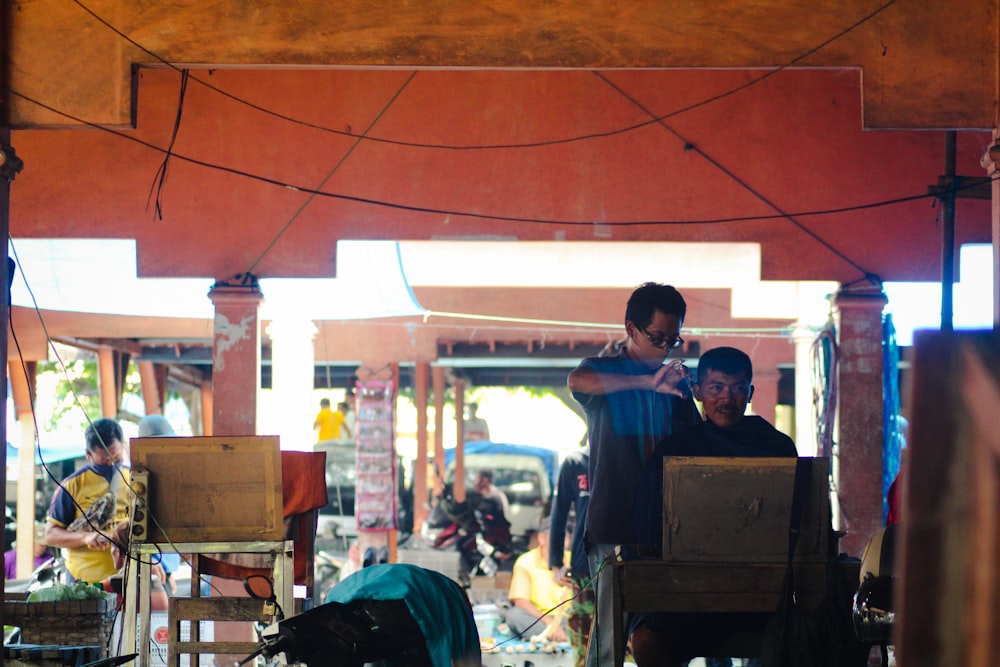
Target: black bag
[[820, 637]]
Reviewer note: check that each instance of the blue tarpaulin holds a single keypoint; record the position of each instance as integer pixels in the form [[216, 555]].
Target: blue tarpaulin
[[549, 457], [50, 453]]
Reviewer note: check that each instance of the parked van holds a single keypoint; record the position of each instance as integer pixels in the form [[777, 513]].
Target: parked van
[[337, 518]]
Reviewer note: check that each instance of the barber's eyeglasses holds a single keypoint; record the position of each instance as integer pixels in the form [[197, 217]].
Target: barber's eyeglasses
[[663, 343], [715, 389]]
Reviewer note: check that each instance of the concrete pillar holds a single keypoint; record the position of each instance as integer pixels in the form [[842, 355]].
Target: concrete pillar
[[460, 440], [235, 385], [765, 392], [22, 383], [206, 409], [293, 363], [805, 417], [858, 467], [152, 397], [437, 381], [420, 506], [235, 359], [107, 382]]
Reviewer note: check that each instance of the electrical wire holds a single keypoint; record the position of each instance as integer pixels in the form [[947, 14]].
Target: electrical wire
[[690, 146], [332, 171], [161, 175], [584, 137]]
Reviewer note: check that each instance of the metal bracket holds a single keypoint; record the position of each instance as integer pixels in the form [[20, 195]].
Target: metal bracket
[[10, 164]]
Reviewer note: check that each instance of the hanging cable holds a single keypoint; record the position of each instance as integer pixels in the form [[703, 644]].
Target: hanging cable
[[341, 161], [161, 174], [688, 145]]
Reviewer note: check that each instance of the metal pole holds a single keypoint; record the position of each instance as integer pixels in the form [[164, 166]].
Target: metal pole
[[948, 236], [9, 165]]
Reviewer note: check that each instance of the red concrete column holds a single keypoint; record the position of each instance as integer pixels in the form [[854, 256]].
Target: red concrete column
[[151, 396], [765, 392], [107, 382], [236, 359], [460, 440], [437, 383], [858, 468], [207, 409], [235, 383]]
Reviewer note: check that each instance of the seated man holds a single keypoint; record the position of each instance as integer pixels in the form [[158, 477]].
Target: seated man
[[42, 555], [534, 592], [724, 389], [491, 493]]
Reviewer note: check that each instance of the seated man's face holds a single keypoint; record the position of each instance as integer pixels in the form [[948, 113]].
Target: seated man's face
[[723, 396]]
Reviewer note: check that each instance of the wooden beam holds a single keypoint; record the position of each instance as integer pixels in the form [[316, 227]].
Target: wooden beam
[[80, 62]]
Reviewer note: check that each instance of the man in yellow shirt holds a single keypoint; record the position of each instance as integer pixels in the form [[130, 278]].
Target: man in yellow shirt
[[534, 592], [88, 541]]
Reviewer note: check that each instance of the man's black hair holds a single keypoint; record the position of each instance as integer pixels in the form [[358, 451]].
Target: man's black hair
[[101, 433], [488, 474], [728, 360], [651, 297]]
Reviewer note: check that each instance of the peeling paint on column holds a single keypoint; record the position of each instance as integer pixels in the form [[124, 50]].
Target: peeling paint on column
[[228, 336], [862, 346], [862, 326]]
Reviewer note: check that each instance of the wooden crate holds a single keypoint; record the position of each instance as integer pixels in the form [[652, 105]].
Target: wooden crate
[[737, 510], [212, 489]]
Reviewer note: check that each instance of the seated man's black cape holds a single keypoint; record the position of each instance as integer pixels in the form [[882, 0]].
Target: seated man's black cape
[[752, 436]]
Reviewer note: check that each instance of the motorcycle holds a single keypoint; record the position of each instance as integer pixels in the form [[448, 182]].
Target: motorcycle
[[44, 576], [327, 572], [477, 528], [373, 627]]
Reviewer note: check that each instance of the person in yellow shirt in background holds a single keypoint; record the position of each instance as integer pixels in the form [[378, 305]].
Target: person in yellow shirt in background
[[341, 429], [331, 425], [535, 594], [324, 421]]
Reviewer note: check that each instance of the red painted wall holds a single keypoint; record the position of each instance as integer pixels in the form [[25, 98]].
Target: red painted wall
[[794, 138]]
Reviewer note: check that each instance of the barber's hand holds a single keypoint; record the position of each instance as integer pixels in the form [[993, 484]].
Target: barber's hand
[[561, 575], [96, 541], [673, 378]]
